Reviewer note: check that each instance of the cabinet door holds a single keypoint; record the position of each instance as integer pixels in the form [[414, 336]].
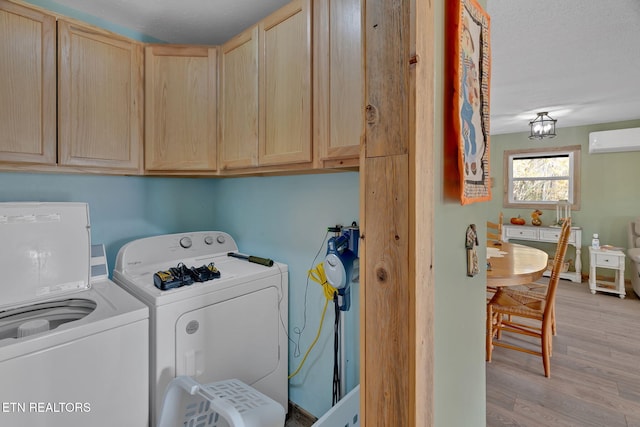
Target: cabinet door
[[180, 102], [285, 85], [27, 85], [238, 102], [338, 78], [100, 108]]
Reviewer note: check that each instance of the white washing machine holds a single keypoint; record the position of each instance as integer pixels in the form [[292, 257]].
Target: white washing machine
[[227, 327], [73, 345]]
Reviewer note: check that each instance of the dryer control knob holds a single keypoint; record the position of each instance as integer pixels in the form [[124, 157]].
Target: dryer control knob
[[220, 239], [208, 240], [185, 242]]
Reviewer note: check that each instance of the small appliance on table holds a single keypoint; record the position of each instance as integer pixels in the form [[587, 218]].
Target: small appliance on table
[[229, 324], [73, 345]]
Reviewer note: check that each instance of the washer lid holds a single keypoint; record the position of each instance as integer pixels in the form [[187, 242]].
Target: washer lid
[[44, 250]]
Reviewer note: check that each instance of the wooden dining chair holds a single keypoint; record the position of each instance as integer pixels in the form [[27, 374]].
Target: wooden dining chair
[[542, 288], [494, 230], [508, 308]]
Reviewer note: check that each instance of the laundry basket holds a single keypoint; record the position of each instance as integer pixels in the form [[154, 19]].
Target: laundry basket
[[345, 413], [229, 403]]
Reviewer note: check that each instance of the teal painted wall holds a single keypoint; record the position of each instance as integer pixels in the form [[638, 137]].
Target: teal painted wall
[[608, 183], [283, 218], [286, 218], [460, 305], [120, 208]]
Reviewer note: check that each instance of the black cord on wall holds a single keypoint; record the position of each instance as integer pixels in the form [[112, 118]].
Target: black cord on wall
[[336, 351]]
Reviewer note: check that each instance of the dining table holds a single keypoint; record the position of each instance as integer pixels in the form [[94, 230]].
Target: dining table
[[511, 264]]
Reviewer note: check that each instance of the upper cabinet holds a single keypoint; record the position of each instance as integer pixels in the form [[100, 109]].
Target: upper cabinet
[[100, 98], [265, 94], [285, 95], [338, 81], [180, 106], [238, 102], [285, 85], [84, 112], [27, 85]]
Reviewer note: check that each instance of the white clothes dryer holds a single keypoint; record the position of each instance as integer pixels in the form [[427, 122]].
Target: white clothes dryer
[[228, 327], [73, 345]]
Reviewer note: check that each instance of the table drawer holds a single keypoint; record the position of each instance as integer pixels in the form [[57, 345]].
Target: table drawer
[[523, 233], [553, 236], [608, 261]]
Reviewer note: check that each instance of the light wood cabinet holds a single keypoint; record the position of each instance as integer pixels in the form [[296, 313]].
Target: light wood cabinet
[[119, 106], [86, 112], [180, 107], [285, 85], [338, 80], [265, 94], [100, 100], [238, 102], [27, 85]]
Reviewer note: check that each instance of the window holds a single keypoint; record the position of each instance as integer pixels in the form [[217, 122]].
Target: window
[[538, 177]]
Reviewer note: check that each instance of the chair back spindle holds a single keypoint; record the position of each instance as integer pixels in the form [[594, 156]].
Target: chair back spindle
[[558, 261], [494, 230]]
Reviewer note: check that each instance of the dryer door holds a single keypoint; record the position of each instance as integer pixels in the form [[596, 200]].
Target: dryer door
[[236, 338]]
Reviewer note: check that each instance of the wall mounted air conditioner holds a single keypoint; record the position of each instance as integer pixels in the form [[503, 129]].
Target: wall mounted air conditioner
[[611, 141]]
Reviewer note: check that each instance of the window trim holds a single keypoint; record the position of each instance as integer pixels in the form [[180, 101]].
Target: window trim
[[574, 150]]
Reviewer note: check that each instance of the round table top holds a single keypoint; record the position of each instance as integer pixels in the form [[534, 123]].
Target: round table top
[[513, 264]]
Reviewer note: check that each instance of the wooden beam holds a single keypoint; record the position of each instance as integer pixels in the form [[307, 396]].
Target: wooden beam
[[396, 167], [387, 84], [385, 312], [421, 181]]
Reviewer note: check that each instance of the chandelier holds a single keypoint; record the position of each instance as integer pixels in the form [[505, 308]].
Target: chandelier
[[542, 126]]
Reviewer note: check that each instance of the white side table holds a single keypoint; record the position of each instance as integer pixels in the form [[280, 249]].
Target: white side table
[[550, 235], [613, 260]]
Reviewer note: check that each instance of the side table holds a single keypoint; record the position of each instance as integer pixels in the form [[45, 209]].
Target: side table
[[611, 259], [550, 235]]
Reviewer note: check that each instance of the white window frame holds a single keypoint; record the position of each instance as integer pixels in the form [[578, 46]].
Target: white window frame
[[574, 175]]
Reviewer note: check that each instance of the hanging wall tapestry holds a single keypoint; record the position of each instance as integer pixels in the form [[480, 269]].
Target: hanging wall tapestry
[[467, 76]]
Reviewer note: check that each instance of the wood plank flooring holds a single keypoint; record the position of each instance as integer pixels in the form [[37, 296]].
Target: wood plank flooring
[[595, 367], [298, 417]]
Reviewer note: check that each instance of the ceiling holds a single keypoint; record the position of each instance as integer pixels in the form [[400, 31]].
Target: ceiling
[[579, 60], [209, 22]]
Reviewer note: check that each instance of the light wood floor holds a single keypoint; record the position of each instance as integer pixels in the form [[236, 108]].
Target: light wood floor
[[595, 367]]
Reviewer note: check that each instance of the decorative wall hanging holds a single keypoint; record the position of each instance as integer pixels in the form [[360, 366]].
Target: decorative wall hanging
[[470, 244], [467, 83]]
